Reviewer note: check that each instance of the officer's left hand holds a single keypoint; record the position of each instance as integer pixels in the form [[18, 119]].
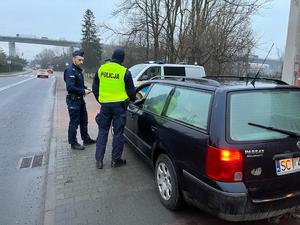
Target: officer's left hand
[[87, 91]]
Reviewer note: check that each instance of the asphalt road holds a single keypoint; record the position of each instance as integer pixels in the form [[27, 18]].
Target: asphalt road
[[26, 105]]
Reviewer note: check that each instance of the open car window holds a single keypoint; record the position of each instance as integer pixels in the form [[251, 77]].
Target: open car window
[[142, 91]]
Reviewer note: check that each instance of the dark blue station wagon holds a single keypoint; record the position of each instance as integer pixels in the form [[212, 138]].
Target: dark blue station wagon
[[229, 147]]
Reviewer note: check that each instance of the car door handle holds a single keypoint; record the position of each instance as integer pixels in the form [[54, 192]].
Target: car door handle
[[153, 128]]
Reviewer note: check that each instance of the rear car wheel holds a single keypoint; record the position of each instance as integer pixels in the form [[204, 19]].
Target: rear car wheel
[[167, 183]]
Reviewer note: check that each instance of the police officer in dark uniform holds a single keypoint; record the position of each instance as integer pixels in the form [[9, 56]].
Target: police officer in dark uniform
[[75, 100], [112, 87]]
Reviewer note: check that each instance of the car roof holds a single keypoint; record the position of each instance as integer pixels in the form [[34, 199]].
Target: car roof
[[226, 83], [168, 64]]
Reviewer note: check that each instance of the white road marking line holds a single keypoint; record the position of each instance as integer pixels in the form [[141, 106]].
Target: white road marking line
[[15, 84], [26, 76]]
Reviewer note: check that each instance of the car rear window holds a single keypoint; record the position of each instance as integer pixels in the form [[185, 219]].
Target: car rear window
[[190, 106], [156, 98], [279, 109], [174, 71]]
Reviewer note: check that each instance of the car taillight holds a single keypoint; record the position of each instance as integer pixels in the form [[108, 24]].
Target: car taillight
[[224, 164]]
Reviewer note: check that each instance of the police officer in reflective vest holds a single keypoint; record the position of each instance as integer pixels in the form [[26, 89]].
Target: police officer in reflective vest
[[76, 105], [112, 87]]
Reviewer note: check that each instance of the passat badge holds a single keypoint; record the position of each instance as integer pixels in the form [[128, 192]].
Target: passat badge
[[252, 153]]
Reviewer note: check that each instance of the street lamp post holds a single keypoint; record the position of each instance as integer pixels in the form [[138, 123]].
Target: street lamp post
[[8, 62]]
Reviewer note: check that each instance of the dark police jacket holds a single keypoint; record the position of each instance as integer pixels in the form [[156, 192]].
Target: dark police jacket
[[129, 87], [74, 80]]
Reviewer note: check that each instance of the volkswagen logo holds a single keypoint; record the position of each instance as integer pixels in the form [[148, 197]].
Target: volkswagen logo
[[298, 144]]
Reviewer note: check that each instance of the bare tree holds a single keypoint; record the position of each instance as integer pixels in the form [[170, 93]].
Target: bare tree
[[214, 33]]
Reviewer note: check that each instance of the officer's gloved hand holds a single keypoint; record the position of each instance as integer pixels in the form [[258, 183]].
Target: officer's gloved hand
[[126, 103]]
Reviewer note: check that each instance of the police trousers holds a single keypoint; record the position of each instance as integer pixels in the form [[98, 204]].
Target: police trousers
[[116, 116], [78, 117]]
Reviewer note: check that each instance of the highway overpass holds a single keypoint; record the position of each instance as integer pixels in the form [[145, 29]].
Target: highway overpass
[[33, 40]]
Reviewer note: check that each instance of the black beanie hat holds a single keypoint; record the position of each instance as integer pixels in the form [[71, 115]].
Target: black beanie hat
[[118, 55]]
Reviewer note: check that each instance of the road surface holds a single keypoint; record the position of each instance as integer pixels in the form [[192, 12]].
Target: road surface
[[26, 105]]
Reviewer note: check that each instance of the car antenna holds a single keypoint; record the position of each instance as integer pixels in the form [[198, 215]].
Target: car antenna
[[257, 74]]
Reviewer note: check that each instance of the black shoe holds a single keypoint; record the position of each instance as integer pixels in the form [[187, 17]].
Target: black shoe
[[89, 141], [99, 164], [118, 163], [77, 146]]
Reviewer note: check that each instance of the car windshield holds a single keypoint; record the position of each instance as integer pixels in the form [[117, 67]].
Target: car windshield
[[263, 114], [136, 69]]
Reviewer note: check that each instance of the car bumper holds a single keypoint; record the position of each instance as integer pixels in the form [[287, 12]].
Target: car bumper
[[236, 206], [46, 76]]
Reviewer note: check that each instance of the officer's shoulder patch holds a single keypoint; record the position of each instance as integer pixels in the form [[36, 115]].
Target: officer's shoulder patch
[[73, 69]]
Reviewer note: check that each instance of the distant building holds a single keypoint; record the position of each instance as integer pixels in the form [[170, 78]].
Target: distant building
[[271, 68], [291, 69]]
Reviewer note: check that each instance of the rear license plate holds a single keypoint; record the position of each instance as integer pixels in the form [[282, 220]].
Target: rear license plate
[[286, 166]]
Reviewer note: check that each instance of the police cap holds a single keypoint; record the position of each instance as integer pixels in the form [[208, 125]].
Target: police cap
[[78, 53]]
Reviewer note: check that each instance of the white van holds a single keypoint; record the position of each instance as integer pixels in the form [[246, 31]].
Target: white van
[[146, 71]]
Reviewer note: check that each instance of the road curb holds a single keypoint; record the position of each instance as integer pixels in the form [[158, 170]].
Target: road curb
[[50, 187], [50, 199]]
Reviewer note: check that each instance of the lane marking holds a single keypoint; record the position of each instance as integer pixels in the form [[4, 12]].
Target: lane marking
[[15, 84], [26, 76]]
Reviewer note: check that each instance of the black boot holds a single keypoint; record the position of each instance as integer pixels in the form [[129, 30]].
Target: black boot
[[89, 141], [118, 163], [99, 164], [77, 146]]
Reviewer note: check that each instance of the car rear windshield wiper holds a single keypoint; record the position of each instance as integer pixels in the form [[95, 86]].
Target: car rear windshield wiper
[[291, 133]]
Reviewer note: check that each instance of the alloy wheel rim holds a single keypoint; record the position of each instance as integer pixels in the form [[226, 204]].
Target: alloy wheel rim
[[164, 183]]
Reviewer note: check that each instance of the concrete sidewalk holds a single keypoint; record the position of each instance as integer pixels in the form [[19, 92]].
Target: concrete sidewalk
[[78, 192]]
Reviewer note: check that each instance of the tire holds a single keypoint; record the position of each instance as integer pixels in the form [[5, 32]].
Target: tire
[[167, 183]]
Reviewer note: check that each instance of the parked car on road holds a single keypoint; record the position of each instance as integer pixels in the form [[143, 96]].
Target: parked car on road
[[42, 73], [227, 146], [146, 71]]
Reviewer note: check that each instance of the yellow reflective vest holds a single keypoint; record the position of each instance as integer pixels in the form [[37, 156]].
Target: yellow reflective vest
[[111, 83]]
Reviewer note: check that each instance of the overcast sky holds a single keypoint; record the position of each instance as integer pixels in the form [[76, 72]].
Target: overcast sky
[[61, 19]]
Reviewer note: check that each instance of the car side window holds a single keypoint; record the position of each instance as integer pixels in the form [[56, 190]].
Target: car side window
[[150, 72], [157, 98], [190, 106]]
